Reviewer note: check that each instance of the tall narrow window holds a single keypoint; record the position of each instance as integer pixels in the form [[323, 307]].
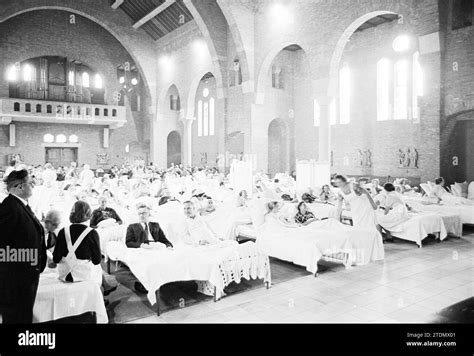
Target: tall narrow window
[[344, 95], [98, 81], [211, 117], [85, 80], [199, 118], [401, 90], [71, 78], [332, 112], [383, 89], [205, 119], [417, 84]]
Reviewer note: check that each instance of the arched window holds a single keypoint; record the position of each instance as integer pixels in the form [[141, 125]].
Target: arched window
[[38, 107], [85, 80], [28, 107], [205, 118], [400, 103], [71, 78], [69, 111], [59, 110], [383, 89], [106, 112], [16, 107], [49, 109], [98, 81], [78, 111], [114, 112], [212, 117], [174, 103], [199, 118], [417, 84], [344, 95], [97, 112]]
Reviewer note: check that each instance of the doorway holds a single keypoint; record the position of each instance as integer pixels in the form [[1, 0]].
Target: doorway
[[174, 148], [61, 156]]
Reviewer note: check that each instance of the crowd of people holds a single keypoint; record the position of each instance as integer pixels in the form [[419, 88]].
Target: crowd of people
[[62, 213]]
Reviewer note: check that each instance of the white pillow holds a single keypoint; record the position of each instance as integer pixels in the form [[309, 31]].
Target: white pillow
[[470, 191], [258, 208], [463, 187], [456, 190], [427, 189]]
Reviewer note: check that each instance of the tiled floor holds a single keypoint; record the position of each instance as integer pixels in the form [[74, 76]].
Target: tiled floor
[[410, 286]]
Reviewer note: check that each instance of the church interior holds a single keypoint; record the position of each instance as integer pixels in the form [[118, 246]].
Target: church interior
[[265, 161]]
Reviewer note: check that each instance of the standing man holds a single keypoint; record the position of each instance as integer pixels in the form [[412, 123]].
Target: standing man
[[21, 235]]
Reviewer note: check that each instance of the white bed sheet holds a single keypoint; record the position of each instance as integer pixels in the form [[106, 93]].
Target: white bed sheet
[[155, 268]]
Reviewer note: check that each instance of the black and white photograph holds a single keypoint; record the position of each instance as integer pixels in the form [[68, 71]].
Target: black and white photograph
[[238, 166]]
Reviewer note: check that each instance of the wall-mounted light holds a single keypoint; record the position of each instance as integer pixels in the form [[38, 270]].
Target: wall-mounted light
[[122, 80], [134, 81], [12, 73], [73, 139], [401, 43]]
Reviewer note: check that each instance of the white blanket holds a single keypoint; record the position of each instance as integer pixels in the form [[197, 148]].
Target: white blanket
[[465, 212], [154, 268], [305, 246]]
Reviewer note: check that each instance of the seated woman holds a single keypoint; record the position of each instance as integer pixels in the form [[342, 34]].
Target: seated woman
[[392, 213], [77, 251], [104, 213], [326, 194], [440, 192], [304, 216]]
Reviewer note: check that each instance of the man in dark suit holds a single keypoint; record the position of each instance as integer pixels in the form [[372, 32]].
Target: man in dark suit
[[141, 234], [20, 232], [144, 234]]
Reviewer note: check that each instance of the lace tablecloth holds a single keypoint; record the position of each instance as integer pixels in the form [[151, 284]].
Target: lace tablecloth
[[216, 265]]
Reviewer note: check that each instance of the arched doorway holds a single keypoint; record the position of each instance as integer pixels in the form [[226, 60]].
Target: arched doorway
[[277, 147], [174, 148]]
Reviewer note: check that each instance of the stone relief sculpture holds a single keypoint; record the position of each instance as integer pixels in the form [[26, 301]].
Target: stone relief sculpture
[[408, 158], [364, 158]]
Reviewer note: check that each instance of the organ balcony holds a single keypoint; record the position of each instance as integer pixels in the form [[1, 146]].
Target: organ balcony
[[43, 111]]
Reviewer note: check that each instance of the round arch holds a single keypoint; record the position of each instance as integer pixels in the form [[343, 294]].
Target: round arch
[[163, 98], [341, 45], [278, 147], [265, 68], [192, 93], [97, 21], [173, 148]]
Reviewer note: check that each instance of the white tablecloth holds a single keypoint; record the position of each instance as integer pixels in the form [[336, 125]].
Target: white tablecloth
[[155, 268], [56, 300]]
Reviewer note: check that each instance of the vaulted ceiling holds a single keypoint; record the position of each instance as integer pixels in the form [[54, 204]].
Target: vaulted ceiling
[[156, 17]]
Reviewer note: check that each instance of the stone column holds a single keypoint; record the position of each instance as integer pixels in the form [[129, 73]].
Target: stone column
[[324, 130], [186, 144]]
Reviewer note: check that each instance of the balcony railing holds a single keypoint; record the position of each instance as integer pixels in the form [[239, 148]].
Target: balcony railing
[[25, 110]]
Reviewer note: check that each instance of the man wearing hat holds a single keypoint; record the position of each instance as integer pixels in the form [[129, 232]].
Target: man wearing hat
[[23, 247]]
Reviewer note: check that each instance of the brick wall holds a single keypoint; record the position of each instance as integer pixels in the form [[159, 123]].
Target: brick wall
[[48, 32]]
